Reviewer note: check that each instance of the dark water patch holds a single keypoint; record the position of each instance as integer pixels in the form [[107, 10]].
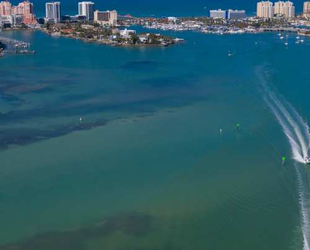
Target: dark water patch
[[65, 129], [140, 65], [133, 224], [145, 101], [8, 83], [11, 98], [22, 137]]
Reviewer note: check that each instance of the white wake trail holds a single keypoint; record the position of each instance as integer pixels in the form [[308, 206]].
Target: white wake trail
[[304, 199], [297, 132]]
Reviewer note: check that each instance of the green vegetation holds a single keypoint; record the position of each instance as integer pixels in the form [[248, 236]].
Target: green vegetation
[[91, 32]]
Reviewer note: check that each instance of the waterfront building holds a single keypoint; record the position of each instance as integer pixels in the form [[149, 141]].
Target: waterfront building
[[236, 14], [127, 33], [218, 14], [87, 9], [53, 12], [265, 9], [17, 19], [172, 19], [306, 11], [5, 8], [11, 20], [284, 9], [106, 17], [23, 10]]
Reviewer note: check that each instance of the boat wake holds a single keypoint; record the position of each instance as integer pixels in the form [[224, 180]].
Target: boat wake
[[297, 133]]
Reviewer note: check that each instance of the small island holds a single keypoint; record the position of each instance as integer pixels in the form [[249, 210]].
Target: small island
[[93, 32]]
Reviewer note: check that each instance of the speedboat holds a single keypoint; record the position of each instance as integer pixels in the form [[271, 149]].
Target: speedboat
[[307, 160]]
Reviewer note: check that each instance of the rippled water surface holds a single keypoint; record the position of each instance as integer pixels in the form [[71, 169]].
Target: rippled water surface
[[120, 148]]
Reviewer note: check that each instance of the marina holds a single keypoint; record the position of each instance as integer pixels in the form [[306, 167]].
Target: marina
[[13, 46]]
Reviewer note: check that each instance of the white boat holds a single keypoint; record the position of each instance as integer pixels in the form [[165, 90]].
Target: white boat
[[286, 44], [297, 37], [307, 160], [302, 41], [281, 37]]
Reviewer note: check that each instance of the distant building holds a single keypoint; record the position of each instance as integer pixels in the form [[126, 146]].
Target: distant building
[[87, 9], [127, 33], [236, 14], [306, 11], [265, 9], [106, 17], [23, 10], [53, 12], [172, 19], [218, 14], [11, 20], [17, 20], [285, 9], [5, 8]]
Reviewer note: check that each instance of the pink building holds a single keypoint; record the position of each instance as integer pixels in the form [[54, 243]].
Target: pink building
[[25, 9], [5, 8]]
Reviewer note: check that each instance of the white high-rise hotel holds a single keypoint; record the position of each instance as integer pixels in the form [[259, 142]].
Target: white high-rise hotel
[[87, 9], [53, 12], [307, 9], [285, 9], [266, 9]]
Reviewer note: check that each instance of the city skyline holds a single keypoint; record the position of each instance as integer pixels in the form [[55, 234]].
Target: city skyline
[[78, 8]]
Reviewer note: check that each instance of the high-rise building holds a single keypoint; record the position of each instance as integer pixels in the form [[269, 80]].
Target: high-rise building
[[87, 9], [218, 14], [53, 12], [285, 9], [5, 8], [26, 10], [236, 14], [23, 10], [265, 9], [106, 17], [306, 9]]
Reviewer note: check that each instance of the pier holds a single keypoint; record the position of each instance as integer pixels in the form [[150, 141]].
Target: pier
[[15, 46]]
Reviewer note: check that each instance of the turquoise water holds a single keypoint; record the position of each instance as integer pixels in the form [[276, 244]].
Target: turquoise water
[[146, 167]]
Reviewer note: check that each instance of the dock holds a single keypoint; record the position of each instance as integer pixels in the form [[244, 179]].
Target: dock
[[13, 46]]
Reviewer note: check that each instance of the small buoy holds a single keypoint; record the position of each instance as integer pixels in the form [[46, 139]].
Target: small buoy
[[237, 126], [81, 119], [221, 131], [283, 160]]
